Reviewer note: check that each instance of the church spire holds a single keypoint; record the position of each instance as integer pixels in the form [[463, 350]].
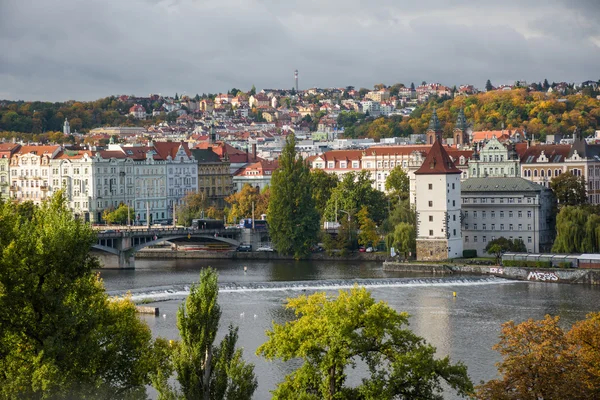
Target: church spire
[[434, 122], [461, 121], [434, 131]]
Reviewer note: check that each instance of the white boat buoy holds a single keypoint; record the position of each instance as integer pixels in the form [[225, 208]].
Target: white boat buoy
[[164, 315], [242, 315], [245, 268]]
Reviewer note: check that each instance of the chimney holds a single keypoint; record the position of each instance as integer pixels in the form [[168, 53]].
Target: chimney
[[254, 151]]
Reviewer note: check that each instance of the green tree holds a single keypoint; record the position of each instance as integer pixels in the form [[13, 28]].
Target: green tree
[[331, 335], [397, 183], [322, 185], [203, 370], [193, 206], [405, 238], [252, 91], [368, 235], [293, 218], [60, 335], [121, 215], [354, 191], [569, 190], [577, 230], [402, 211], [488, 86], [501, 245]]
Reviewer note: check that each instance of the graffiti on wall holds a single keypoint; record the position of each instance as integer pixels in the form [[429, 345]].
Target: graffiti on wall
[[542, 276], [494, 270]]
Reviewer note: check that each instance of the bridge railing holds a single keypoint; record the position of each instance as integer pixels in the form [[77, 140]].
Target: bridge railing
[[163, 231]]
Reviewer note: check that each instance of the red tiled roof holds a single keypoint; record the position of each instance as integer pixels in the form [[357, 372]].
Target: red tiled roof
[[437, 162], [166, 149]]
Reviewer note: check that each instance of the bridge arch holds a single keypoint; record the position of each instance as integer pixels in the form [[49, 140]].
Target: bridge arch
[[167, 238]]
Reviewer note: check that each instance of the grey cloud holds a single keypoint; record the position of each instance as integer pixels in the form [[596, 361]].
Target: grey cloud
[[68, 49]]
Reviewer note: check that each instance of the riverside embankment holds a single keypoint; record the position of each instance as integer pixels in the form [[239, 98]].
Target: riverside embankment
[[551, 275], [254, 255]]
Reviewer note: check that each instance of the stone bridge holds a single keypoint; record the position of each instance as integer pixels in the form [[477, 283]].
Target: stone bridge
[[124, 243]]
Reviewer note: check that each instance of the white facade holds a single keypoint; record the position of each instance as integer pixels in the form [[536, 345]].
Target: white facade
[[438, 207]]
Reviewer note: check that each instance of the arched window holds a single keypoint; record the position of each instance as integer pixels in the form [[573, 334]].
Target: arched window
[[542, 173], [535, 172]]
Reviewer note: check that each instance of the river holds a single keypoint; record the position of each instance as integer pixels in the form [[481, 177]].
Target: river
[[464, 327]]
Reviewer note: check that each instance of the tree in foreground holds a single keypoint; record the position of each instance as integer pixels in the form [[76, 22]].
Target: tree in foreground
[[205, 371], [541, 361], [331, 335], [60, 335], [292, 216]]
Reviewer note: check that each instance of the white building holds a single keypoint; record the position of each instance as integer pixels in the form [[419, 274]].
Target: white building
[[72, 171], [438, 207], [182, 172], [31, 177]]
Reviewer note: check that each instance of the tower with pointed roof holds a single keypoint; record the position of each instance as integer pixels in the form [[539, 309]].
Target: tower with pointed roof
[[461, 138], [434, 131], [66, 128], [437, 202]]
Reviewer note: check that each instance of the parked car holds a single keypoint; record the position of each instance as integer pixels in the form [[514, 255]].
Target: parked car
[[361, 249], [370, 250], [265, 248], [244, 248]]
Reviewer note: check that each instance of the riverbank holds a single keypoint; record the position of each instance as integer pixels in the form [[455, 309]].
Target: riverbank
[[254, 255], [552, 275]]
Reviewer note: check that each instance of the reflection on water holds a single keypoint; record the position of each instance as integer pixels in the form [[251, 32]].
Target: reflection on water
[[464, 327]]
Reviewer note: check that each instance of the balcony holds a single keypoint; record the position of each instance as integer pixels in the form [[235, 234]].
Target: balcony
[[44, 188], [14, 188]]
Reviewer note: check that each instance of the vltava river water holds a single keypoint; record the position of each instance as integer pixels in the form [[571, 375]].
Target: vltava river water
[[464, 327]]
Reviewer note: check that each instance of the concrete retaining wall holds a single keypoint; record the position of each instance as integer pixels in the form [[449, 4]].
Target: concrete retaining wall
[[552, 275]]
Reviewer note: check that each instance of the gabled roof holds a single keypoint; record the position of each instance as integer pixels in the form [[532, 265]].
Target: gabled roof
[[166, 149], [437, 162], [555, 153], [206, 156]]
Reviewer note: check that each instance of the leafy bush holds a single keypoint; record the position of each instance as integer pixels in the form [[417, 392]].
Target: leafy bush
[[469, 253]]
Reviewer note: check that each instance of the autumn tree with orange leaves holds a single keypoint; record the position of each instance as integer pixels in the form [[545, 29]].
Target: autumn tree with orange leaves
[[542, 361]]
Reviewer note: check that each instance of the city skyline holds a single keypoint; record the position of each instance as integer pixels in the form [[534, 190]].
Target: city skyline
[[64, 50]]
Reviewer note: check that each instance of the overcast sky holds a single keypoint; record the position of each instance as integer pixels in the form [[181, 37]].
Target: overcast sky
[[86, 49]]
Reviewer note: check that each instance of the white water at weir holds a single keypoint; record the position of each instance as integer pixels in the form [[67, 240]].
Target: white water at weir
[[164, 293]]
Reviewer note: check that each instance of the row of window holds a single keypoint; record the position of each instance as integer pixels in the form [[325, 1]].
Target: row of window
[[548, 173], [484, 239], [484, 214], [492, 200], [493, 227]]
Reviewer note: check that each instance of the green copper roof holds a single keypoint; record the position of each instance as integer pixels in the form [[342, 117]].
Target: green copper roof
[[461, 121], [434, 123], [500, 184]]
